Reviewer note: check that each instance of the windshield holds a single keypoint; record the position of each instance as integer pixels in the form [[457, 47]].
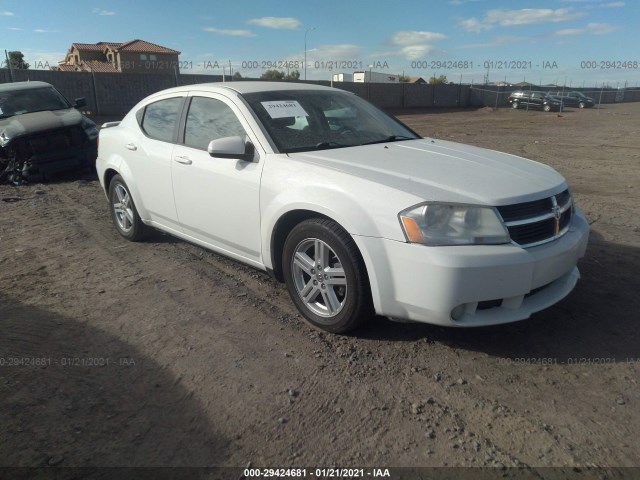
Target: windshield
[[304, 120], [20, 102]]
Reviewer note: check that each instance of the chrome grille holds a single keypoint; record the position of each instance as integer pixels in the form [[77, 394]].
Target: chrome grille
[[538, 222]]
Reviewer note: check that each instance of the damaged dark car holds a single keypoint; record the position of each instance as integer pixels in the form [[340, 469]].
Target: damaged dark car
[[42, 133]]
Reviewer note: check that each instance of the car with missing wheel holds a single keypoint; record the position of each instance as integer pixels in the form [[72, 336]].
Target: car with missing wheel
[[354, 211], [534, 100], [41, 132]]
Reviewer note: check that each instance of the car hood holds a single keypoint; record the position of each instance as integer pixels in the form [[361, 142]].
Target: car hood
[[28, 123], [443, 171]]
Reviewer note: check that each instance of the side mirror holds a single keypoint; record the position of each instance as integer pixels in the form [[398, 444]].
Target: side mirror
[[232, 147], [79, 103]]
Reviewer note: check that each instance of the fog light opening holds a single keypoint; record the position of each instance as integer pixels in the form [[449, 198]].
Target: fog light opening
[[458, 312]]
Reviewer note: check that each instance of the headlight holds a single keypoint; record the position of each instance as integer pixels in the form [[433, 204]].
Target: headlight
[[90, 128], [451, 224]]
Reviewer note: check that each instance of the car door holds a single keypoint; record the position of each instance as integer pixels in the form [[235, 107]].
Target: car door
[[149, 154], [217, 199], [572, 99], [534, 101]]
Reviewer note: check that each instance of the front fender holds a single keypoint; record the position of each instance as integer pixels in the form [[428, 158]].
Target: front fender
[[330, 203], [327, 202]]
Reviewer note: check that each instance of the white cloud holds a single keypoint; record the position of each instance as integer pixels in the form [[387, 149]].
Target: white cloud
[[42, 30], [278, 23], [99, 11], [474, 25], [524, 16], [410, 38], [589, 29], [498, 42], [231, 33], [383, 54], [612, 5], [415, 44], [15, 29], [413, 52], [330, 53], [527, 16], [6, 14]]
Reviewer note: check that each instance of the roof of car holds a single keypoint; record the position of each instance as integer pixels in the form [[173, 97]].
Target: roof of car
[[243, 87], [12, 87]]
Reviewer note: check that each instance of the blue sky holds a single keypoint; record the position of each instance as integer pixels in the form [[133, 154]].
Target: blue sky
[[553, 41]]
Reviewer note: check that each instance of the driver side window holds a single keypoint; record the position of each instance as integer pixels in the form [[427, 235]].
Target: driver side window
[[209, 119]]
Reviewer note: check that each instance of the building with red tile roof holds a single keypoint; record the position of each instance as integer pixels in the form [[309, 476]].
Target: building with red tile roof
[[134, 56]]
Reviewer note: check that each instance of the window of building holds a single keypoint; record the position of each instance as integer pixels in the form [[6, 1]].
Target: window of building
[[209, 119], [153, 58], [143, 57]]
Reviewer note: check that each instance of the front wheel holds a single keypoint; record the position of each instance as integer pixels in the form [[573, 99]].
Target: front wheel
[[547, 108], [514, 105], [581, 105], [326, 276], [123, 211]]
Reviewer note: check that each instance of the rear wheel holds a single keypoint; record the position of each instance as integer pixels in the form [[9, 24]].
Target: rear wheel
[[326, 276], [581, 105], [547, 108], [123, 211]]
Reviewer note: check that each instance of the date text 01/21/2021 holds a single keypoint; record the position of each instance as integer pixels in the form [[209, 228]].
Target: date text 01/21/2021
[[315, 472], [487, 64], [521, 361], [39, 362]]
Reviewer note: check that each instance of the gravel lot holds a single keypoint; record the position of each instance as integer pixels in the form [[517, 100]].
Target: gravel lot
[[164, 354]]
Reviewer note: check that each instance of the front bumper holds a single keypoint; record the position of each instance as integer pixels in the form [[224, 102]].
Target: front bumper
[[70, 158], [481, 285]]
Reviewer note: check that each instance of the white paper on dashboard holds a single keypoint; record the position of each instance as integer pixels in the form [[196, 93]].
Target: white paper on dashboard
[[284, 108]]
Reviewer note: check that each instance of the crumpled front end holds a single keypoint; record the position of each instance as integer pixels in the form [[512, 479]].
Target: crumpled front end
[[28, 153]]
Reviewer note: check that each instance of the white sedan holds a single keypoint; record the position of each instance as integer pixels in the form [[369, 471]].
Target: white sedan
[[352, 209]]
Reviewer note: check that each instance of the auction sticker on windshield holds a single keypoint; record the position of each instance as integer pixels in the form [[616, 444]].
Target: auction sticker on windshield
[[284, 108]]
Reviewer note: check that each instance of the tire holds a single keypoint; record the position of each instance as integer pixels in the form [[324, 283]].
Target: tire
[[547, 108], [123, 211], [581, 105], [335, 297], [514, 105]]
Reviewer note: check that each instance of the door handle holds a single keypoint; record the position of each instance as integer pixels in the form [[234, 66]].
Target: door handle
[[183, 159], [131, 146]]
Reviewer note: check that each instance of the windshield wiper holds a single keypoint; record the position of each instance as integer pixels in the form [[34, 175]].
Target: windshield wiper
[[326, 145], [392, 138]]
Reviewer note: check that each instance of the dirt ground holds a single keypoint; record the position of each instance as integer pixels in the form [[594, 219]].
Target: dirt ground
[[163, 354]]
